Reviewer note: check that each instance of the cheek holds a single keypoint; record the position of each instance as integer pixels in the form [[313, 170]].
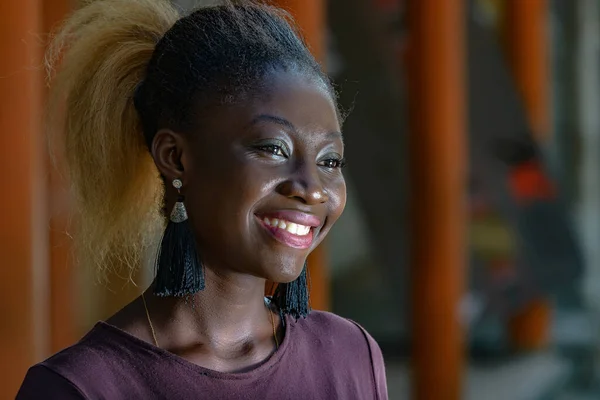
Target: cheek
[[230, 193], [337, 199]]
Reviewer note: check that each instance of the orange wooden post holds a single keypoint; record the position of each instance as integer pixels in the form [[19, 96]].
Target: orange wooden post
[[310, 17], [525, 34], [62, 271], [319, 279], [436, 98], [23, 231]]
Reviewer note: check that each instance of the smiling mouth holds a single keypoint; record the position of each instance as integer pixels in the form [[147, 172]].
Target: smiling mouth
[[291, 227], [291, 234]]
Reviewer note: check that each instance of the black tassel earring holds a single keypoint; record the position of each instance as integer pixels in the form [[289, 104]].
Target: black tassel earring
[[292, 298], [178, 267]]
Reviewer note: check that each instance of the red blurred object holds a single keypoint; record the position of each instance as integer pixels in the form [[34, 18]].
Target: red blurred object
[[529, 182]]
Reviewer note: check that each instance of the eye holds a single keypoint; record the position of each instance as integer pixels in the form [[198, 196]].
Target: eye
[[273, 149], [333, 163]]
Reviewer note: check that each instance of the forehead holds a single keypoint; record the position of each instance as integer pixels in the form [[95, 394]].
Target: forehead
[[305, 102], [302, 100]]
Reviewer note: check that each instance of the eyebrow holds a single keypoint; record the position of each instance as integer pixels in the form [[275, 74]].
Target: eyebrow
[[287, 124], [273, 119]]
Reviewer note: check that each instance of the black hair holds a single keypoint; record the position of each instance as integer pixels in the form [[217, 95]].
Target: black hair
[[219, 54]]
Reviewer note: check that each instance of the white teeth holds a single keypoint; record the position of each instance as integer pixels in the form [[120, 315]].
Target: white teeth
[[291, 227], [303, 230]]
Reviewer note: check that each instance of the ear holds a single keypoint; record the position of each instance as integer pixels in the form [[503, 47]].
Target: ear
[[168, 153]]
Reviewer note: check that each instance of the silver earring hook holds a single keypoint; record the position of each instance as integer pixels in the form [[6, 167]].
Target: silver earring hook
[[177, 184]]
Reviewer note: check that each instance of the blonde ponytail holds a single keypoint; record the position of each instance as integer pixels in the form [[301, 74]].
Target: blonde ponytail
[[95, 62]]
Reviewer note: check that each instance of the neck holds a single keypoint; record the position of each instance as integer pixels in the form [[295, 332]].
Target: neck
[[229, 311]]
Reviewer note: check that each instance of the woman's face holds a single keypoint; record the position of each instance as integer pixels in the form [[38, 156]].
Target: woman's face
[[262, 179]]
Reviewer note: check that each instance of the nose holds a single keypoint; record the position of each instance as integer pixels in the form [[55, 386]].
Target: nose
[[305, 186]]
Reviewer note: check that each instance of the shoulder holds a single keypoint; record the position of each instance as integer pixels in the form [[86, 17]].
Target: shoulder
[[346, 342], [87, 355], [336, 333], [329, 324], [44, 383], [76, 371]]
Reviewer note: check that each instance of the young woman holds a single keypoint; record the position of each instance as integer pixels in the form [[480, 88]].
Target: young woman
[[219, 134]]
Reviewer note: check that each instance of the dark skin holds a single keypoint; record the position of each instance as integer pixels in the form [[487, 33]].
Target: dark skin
[[279, 150]]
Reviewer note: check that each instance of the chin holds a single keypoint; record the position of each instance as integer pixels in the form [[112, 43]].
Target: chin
[[286, 273]]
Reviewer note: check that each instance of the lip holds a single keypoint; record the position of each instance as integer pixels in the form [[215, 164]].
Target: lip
[[286, 238], [297, 217]]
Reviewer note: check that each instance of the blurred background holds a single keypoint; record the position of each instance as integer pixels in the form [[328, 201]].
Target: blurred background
[[470, 245]]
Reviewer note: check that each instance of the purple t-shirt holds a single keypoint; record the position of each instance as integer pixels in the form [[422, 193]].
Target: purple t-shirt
[[321, 357]]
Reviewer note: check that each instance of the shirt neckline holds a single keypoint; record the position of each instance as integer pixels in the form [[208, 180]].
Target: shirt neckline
[[253, 372]]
